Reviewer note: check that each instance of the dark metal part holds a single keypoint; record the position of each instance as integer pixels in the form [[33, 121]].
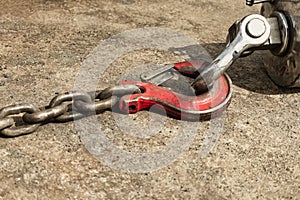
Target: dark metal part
[[118, 90], [45, 115], [69, 116], [284, 70], [97, 106], [62, 108], [159, 76], [18, 128], [252, 2], [282, 31], [6, 122], [70, 97]]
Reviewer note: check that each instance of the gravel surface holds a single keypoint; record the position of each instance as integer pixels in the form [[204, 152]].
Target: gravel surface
[[43, 44]]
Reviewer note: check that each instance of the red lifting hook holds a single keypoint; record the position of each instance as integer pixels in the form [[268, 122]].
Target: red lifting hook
[[202, 107]]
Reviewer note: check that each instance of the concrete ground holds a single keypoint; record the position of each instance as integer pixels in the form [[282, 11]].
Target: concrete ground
[[43, 44]]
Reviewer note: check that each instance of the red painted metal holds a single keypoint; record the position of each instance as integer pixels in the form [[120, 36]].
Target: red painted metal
[[179, 106]]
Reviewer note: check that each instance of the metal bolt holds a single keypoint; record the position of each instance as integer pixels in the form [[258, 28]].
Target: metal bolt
[[256, 28]]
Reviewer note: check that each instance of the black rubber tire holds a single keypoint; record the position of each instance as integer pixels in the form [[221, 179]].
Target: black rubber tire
[[285, 70]]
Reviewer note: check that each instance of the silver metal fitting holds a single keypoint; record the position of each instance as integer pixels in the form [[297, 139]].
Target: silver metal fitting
[[253, 31], [252, 2], [256, 28]]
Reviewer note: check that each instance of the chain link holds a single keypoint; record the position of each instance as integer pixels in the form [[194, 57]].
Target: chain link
[[118, 90], [6, 122], [96, 107], [69, 98], [17, 120], [45, 115], [20, 128]]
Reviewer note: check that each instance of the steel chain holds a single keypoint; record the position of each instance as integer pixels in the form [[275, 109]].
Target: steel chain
[[20, 128], [17, 120]]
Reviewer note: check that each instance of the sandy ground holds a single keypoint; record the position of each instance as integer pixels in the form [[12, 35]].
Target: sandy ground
[[43, 44]]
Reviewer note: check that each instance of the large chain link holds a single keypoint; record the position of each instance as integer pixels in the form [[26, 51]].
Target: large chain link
[[17, 120]]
